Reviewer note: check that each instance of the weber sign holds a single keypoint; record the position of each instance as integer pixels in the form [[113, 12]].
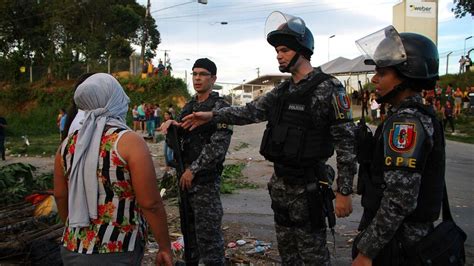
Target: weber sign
[[421, 9]]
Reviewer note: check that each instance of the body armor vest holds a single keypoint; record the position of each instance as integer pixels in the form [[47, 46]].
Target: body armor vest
[[193, 141], [432, 175], [292, 138]]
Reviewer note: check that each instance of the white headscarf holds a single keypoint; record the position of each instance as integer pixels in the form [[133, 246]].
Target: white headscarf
[[105, 103]]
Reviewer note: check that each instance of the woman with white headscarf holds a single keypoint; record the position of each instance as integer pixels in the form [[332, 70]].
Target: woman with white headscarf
[[105, 183]]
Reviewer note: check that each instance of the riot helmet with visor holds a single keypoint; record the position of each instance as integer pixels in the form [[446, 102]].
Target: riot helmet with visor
[[290, 31], [412, 55]]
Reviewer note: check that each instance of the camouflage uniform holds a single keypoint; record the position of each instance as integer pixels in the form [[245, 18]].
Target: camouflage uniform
[[205, 220], [400, 194], [301, 244]]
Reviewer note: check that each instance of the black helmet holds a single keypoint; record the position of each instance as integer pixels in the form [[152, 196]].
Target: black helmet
[[290, 31], [422, 57], [412, 54]]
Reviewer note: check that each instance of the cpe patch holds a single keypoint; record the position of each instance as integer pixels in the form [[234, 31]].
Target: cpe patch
[[402, 137], [343, 101]]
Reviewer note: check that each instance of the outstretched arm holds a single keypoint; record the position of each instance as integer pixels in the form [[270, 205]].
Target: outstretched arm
[[196, 119], [253, 112], [164, 127]]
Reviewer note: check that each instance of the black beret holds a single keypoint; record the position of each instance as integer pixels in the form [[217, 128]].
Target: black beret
[[206, 64]]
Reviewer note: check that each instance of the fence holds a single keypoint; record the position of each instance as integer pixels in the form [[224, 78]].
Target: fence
[[32, 72]]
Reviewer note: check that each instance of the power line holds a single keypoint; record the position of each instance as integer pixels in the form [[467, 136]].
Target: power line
[[158, 10], [263, 17]]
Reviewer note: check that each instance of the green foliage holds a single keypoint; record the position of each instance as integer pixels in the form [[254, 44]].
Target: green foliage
[[457, 80], [32, 111], [19, 94], [159, 138], [56, 34], [464, 124], [17, 181], [43, 145], [463, 8], [369, 86], [233, 179], [242, 145], [158, 90]]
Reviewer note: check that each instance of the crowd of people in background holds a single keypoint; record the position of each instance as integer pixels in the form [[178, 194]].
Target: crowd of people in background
[[147, 118], [465, 64], [448, 103]]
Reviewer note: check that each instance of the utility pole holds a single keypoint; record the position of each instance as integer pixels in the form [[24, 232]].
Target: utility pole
[[330, 37], [258, 72], [166, 55], [447, 61], [145, 32], [467, 38]]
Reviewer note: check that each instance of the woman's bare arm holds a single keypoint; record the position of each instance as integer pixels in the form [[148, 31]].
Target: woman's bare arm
[[134, 151]]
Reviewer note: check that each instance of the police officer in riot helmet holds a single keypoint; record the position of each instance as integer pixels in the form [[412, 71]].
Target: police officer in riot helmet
[[300, 41], [309, 116], [402, 186]]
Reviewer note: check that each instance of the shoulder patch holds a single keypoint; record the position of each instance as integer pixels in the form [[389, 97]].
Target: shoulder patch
[[342, 104], [222, 126], [343, 101], [402, 137], [404, 144]]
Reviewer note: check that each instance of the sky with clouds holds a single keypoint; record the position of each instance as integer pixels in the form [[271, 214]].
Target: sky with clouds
[[190, 30]]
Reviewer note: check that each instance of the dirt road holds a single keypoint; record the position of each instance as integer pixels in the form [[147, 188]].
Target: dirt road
[[247, 213], [250, 208]]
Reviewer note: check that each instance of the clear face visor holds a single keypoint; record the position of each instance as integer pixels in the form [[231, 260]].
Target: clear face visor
[[284, 23], [383, 48]]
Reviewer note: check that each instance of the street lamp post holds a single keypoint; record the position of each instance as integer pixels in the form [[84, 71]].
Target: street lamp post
[[447, 61], [330, 37], [467, 38]]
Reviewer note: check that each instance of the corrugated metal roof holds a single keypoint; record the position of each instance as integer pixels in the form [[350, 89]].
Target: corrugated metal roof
[[341, 65]]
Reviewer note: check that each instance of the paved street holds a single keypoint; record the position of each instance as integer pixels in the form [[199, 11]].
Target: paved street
[[251, 208]]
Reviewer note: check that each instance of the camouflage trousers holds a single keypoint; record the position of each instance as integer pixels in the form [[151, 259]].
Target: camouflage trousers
[[298, 243], [204, 224]]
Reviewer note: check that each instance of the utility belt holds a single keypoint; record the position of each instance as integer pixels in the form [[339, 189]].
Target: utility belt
[[317, 181], [290, 175]]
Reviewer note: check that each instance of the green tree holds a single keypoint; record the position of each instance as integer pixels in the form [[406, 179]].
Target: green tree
[[463, 8], [61, 33]]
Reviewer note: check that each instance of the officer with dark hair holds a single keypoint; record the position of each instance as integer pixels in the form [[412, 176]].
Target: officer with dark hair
[[203, 151], [402, 185], [309, 116]]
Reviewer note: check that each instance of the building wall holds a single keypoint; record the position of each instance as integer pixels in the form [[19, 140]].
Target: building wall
[[351, 82], [420, 16]]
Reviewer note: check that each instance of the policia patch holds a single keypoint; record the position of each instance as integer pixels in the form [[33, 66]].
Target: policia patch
[[403, 141]]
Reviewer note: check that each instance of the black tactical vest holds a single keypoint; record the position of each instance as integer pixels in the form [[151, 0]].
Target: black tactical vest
[[292, 138], [432, 175], [193, 141]]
